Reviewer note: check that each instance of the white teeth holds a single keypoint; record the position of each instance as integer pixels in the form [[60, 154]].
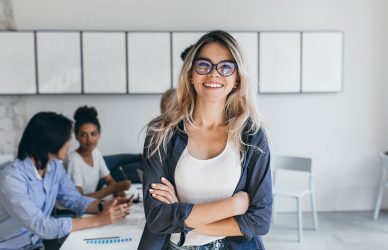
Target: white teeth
[[213, 85]]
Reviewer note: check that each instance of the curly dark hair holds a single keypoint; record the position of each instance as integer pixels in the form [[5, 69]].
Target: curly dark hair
[[85, 114]]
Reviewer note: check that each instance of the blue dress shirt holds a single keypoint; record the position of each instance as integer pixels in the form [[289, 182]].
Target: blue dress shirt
[[27, 200]]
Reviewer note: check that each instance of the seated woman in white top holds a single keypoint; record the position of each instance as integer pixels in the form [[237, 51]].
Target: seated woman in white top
[[86, 165]]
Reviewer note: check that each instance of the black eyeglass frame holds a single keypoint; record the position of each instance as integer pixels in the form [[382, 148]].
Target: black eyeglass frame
[[214, 66]]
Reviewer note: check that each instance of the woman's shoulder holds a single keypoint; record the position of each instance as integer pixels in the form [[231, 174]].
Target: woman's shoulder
[[252, 130], [97, 153], [73, 155]]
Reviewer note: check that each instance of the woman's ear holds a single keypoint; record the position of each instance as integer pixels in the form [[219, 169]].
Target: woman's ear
[[237, 83]]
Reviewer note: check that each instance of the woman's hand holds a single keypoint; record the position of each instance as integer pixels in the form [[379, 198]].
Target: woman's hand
[[122, 186], [118, 200], [119, 194], [113, 212], [164, 192]]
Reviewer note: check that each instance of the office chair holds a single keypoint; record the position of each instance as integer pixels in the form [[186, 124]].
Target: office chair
[[383, 182], [291, 163]]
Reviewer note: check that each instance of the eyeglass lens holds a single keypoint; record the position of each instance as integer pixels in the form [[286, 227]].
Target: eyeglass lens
[[204, 67]]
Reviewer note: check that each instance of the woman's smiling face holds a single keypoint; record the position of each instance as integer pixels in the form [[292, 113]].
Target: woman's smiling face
[[214, 87], [88, 136]]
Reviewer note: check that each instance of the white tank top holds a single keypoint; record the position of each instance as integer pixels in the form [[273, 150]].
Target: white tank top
[[200, 181]]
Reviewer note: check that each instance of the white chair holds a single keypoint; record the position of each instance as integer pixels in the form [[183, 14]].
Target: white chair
[[290, 163], [383, 183]]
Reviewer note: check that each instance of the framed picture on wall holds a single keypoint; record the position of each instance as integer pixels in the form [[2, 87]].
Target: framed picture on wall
[[17, 63], [59, 62], [149, 62], [249, 44], [104, 62], [181, 41], [279, 60], [322, 61]]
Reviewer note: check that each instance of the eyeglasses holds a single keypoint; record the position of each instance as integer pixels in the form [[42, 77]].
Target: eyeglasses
[[224, 68]]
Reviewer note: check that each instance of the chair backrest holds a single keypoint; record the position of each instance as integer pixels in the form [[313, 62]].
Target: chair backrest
[[291, 163], [384, 159], [140, 174]]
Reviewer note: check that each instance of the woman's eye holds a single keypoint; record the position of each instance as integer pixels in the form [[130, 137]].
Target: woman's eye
[[226, 66]]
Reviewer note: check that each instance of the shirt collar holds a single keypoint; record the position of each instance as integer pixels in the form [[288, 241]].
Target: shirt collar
[[33, 171]]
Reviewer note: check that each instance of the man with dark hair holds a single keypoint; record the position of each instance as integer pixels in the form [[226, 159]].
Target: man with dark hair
[[30, 186]]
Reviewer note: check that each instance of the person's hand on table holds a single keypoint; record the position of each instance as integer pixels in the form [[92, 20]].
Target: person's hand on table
[[114, 212]]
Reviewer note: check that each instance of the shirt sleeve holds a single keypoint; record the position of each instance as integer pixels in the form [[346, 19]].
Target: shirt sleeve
[[16, 201], [74, 171], [69, 196], [257, 219], [161, 218]]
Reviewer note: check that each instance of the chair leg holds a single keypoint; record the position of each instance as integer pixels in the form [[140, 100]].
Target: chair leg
[[300, 220], [380, 195], [314, 211], [378, 201]]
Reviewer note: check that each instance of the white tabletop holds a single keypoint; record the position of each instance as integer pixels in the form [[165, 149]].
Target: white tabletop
[[123, 235]]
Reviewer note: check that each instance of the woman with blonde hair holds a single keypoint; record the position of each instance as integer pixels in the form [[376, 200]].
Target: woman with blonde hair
[[207, 181]]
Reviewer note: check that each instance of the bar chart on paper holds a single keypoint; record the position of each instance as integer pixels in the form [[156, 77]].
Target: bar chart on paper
[[108, 241]]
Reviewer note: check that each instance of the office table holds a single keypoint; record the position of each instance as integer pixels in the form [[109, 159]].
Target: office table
[[123, 235]]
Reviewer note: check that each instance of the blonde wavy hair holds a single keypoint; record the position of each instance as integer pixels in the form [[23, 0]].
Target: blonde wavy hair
[[240, 108]]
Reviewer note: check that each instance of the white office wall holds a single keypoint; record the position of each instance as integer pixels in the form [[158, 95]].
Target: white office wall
[[343, 132]]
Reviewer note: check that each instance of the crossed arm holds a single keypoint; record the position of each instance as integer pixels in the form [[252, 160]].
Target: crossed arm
[[213, 218]]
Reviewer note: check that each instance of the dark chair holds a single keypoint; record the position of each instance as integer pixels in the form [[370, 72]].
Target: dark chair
[[128, 163]]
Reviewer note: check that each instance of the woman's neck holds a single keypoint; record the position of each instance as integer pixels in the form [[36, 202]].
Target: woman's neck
[[83, 152], [209, 115]]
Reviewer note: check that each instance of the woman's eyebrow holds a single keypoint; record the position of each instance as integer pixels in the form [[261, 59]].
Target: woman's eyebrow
[[209, 60]]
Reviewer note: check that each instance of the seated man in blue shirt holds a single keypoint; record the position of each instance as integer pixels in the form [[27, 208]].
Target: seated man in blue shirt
[[30, 186]]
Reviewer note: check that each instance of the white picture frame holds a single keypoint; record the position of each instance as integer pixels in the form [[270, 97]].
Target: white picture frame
[[104, 62], [279, 62], [59, 62], [149, 62], [248, 42], [17, 63], [180, 42], [322, 62]]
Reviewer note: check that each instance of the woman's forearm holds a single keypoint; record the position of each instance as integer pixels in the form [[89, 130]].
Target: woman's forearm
[[207, 213], [225, 227], [102, 193]]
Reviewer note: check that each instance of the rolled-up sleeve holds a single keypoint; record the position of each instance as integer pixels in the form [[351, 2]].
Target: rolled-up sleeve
[[16, 201], [257, 219], [161, 218]]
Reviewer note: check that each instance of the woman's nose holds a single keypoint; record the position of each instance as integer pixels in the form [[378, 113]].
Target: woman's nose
[[213, 72]]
